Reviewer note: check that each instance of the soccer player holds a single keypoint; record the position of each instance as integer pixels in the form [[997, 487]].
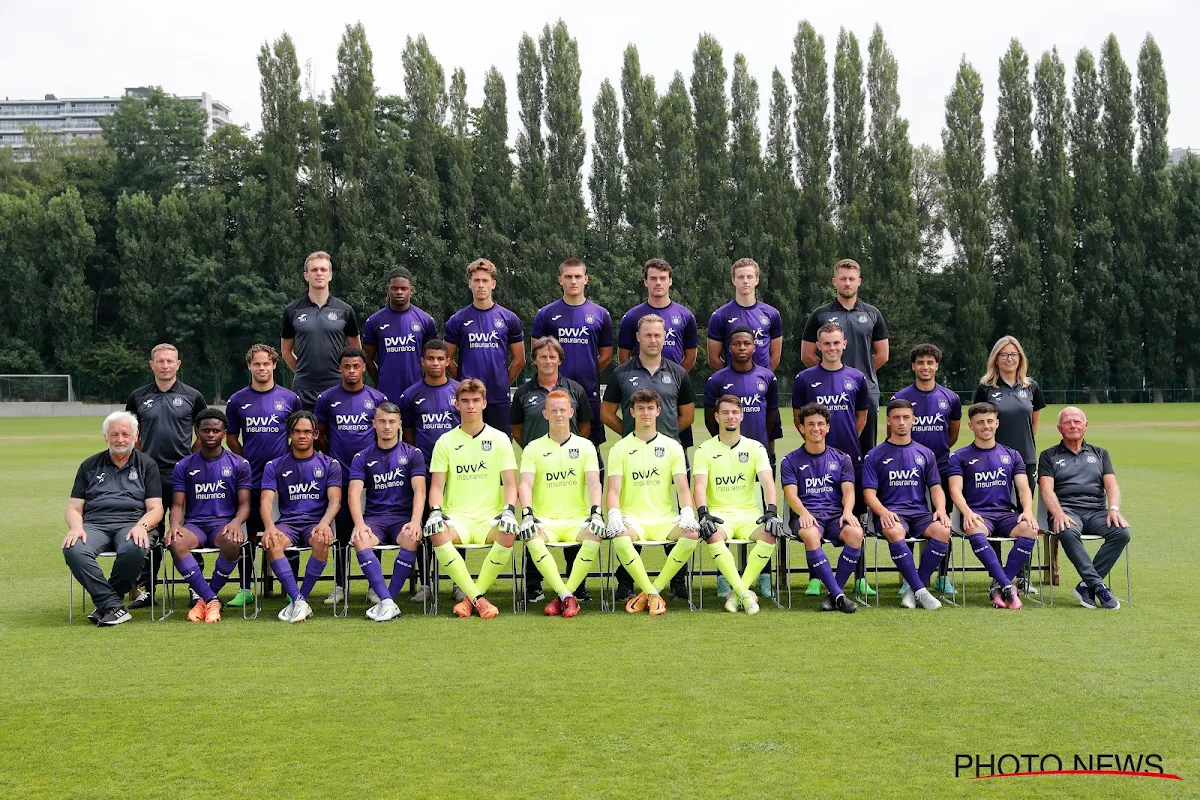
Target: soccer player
[[840, 388], [895, 477], [472, 498], [642, 468], [394, 337], [258, 432], [483, 335], [345, 413], [391, 475], [211, 502], [166, 410], [729, 506], [560, 499], [315, 329], [754, 384], [818, 483], [585, 331], [745, 310], [982, 477], [308, 484]]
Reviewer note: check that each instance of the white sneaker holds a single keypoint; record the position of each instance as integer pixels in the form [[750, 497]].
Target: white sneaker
[[731, 602], [458, 595], [302, 611], [421, 595], [749, 602], [286, 613], [927, 600], [909, 599], [336, 596], [388, 610], [372, 598], [373, 610]]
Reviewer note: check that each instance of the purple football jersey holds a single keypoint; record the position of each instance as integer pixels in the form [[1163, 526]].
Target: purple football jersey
[[211, 487], [680, 324], [844, 393], [259, 420], [387, 478], [430, 411], [933, 411], [763, 320], [398, 338], [302, 486], [349, 416], [483, 339], [818, 479], [758, 390], [900, 474], [988, 476], [581, 330]]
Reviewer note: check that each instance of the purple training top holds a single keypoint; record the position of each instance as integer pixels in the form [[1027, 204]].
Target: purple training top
[[398, 338], [302, 486], [259, 420], [988, 476], [581, 330], [844, 392], [387, 477], [430, 412], [933, 412], [763, 320], [759, 391], [680, 325], [900, 474], [483, 339], [211, 487], [818, 479], [349, 417]]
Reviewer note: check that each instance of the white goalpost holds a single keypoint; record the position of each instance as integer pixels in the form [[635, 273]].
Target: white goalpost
[[31, 388]]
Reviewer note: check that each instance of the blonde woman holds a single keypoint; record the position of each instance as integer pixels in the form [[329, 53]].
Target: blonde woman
[[1006, 385]]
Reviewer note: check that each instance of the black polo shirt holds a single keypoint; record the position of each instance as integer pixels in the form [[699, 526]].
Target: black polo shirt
[[1014, 409], [1078, 477], [670, 381], [529, 400], [113, 496], [319, 334], [863, 324], [165, 422]]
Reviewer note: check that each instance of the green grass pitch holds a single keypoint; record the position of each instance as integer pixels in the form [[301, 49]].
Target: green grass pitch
[[784, 704]]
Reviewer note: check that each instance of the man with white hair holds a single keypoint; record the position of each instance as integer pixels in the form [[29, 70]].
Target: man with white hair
[[1079, 488], [116, 500]]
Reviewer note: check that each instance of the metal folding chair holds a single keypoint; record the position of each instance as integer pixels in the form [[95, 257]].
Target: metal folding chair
[[288, 552], [518, 579], [964, 546], [1043, 521], [352, 559], [559, 546], [608, 589], [744, 546], [913, 542], [83, 595]]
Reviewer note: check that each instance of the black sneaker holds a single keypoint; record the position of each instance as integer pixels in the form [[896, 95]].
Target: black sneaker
[[679, 590], [114, 616], [845, 604], [582, 594], [1105, 598], [1023, 585], [95, 616], [1086, 599], [624, 592], [142, 599], [534, 594], [826, 604]]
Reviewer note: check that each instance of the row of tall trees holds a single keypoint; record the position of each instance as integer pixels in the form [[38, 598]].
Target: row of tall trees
[[1082, 242]]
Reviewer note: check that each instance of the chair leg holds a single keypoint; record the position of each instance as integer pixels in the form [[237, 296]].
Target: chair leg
[[1128, 578], [70, 597]]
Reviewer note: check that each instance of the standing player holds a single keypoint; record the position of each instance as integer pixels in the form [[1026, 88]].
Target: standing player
[[211, 502], [309, 487], [983, 476], [754, 384], [394, 337], [258, 418], [895, 477], [818, 482], [745, 310], [315, 329], [472, 499], [391, 476], [642, 469], [560, 481], [485, 334], [729, 506], [166, 410], [345, 413]]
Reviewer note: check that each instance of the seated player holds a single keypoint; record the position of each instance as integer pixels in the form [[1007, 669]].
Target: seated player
[[896, 475], [392, 476], [642, 467], [728, 502], [818, 483], [560, 494], [211, 503], [982, 477], [472, 499], [309, 486]]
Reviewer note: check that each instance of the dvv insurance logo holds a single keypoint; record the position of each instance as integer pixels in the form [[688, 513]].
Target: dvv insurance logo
[[991, 766]]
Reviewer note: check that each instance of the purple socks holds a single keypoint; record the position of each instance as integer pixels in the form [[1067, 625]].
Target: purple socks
[[283, 571], [903, 559], [221, 572], [191, 573], [931, 559], [405, 561], [374, 572], [312, 570], [846, 564], [818, 567], [1022, 550], [987, 556]]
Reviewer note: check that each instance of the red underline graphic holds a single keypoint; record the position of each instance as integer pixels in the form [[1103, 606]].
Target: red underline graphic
[[1165, 776]]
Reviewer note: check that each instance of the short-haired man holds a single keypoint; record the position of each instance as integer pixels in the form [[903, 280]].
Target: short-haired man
[[642, 469], [1079, 487], [308, 484], [315, 329], [257, 431], [754, 384], [730, 506], [840, 388], [745, 310], [818, 483], [394, 337], [166, 410], [528, 422], [983, 477], [211, 503], [115, 501], [345, 413], [472, 499], [895, 477], [390, 475], [483, 335], [560, 499]]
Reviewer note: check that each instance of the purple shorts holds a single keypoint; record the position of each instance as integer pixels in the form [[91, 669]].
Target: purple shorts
[[914, 525], [829, 526], [386, 527], [206, 530], [1000, 523], [297, 532]]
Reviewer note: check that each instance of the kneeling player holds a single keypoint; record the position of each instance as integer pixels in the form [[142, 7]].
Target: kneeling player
[[641, 470], [727, 501], [472, 498], [896, 475], [560, 481], [982, 477], [818, 482], [309, 487], [392, 475], [211, 503]]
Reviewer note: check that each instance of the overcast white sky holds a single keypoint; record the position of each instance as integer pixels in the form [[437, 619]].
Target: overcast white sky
[[89, 49]]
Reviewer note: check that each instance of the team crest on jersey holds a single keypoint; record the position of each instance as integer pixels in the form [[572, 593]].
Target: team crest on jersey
[[864, 319], [1091, 459], [744, 457], [573, 452], [177, 401], [762, 386], [659, 452], [943, 405], [920, 459], [487, 445], [416, 326], [402, 460], [499, 323], [133, 474], [318, 472], [676, 320], [764, 321], [849, 385], [226, 472], [279, 405], [1005, 460], [590, 318], [666, 379], [368, 404], [1021, 393], [331, 315]]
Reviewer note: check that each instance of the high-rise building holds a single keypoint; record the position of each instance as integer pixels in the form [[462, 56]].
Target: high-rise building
[[1177, 154]]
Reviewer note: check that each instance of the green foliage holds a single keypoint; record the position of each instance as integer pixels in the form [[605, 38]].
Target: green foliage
[[746, 166], [680, 188], [710, 259], [781, 199], [1185, 189], [157, 140], [643, 178], [815, 235], [849, 137], [612, 273]]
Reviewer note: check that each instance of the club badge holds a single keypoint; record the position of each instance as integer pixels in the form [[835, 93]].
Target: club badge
[[590, 318], [863, 319], [849, 384], [666, 379], [1092, 460], [226, 472], [279, 405], [943, 405], [402, 460], [331, 316], [762, 386], [133, 474], [177, 401], [1022, 394], [368, 404], [676, 320], [499, 322], [743, 457], [659, 452], [1005, 460], [573, 452], [486, 445], [920, 459], [318, 472], [416, 326]]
